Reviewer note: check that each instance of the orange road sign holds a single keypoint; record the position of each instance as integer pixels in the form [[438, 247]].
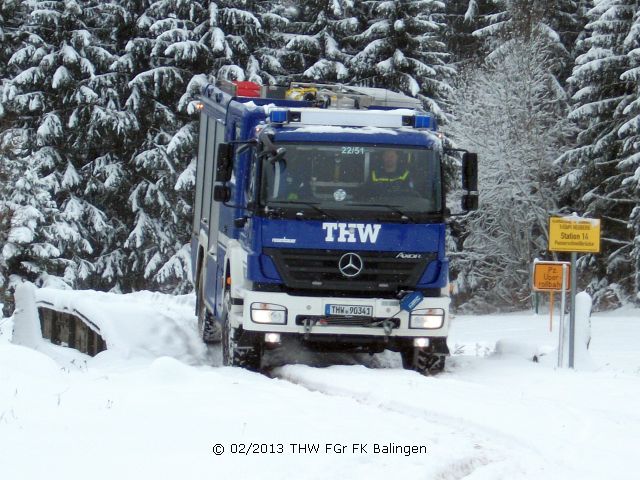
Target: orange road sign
[[547, 276]]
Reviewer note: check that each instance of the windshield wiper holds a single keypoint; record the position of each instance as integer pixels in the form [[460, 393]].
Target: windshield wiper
[[313, 205], [393, 208]]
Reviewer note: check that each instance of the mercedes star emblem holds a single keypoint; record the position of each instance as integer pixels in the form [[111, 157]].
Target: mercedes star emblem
[[350, 265]]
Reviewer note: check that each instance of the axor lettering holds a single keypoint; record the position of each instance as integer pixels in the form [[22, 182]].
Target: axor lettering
[[409, 255], [351, 232]]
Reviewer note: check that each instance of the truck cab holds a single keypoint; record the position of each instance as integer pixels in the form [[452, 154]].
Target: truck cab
[[320, 215]]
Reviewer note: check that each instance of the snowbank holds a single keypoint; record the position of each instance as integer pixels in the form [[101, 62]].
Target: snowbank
[[534, 340], [136, 325]]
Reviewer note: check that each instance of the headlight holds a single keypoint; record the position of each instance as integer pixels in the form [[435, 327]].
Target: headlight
[[431, 318], [268, 313]]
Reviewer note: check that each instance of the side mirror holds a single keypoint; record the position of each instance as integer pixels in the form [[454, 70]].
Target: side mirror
[[470, 202], [221, 193], [470, 172], [224, 162]]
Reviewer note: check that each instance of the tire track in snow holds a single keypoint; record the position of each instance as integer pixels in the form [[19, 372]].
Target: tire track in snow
[[456, 470], [512, 457]]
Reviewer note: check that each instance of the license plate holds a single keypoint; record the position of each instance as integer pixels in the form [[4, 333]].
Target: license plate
[[349, 310]]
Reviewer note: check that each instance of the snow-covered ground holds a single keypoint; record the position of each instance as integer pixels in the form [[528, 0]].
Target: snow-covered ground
[[156, 405]]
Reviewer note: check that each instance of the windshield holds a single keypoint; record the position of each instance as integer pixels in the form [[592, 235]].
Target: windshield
[[393, 181]]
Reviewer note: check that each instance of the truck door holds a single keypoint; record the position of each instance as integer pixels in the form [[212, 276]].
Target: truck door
[[206, 198], [197, 204], [214, 215], [215, 245], [202, 157]]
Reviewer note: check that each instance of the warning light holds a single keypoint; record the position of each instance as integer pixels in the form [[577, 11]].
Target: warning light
[[278, 116]]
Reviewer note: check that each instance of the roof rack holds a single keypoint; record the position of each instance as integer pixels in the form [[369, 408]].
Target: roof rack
[[345, 96], [331, 96]]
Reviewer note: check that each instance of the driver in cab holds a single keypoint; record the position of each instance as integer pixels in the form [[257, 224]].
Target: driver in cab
[[391, 173]]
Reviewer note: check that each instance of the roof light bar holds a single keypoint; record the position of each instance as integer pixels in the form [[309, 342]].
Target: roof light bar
[[351, 118]]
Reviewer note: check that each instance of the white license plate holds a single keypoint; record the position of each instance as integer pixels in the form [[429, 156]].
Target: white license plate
[[349, 310]]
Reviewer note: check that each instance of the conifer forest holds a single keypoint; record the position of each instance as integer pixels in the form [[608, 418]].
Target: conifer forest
[[99, 126]]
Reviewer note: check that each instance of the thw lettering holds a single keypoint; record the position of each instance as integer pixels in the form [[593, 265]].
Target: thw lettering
[[351, 232]]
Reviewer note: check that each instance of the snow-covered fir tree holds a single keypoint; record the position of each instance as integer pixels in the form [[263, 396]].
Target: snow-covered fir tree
[[402, 49], [558, 22], [595, 177], [11, 18], [314, 39], [57, 225], [461, 19], [159, 62], [629, 132], [267, 49], [241, 32]]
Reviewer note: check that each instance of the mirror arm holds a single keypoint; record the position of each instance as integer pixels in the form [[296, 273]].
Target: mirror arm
[[264, 137], [451, 150], [278, 156], [252, 141]]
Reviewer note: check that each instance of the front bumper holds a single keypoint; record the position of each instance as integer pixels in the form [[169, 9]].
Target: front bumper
[[300, 309]]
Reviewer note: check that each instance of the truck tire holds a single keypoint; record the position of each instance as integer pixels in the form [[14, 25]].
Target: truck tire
[[208, 329], [423, 360], [234, 355]]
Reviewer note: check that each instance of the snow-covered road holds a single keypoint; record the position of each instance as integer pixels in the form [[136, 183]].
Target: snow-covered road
[[555, 424], [147, 413]]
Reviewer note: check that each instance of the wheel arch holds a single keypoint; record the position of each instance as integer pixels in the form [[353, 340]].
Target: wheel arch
[[235, 268]]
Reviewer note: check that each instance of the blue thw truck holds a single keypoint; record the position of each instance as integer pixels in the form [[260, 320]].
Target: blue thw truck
[[320, 216]]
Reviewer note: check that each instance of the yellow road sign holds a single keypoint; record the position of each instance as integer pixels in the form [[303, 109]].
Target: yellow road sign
[[547, 276], [574, 234]]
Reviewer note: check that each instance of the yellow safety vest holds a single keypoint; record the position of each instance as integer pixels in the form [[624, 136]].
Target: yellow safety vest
[[400, 178]]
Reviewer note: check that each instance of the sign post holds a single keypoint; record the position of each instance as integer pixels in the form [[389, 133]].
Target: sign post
[[574, 234], [562, 308], [552, 277], [572, 314]]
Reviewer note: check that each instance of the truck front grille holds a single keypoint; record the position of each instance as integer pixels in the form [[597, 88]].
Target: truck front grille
[[329, 321], [319, 270]]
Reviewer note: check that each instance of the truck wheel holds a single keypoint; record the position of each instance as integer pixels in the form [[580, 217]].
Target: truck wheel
[[423, 361], [207, 327], [233, 355]]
